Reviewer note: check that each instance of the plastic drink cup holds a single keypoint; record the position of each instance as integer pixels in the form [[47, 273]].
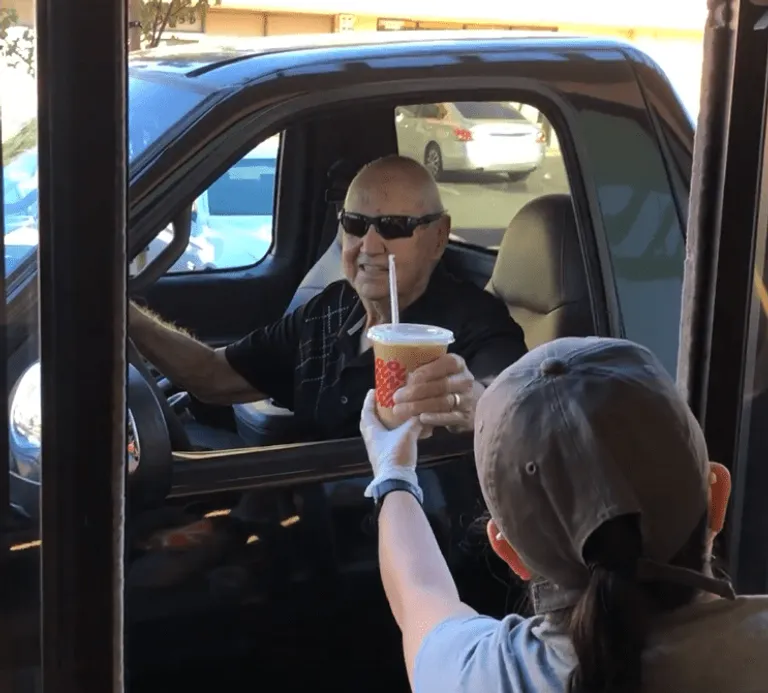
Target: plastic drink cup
[[399, 349]]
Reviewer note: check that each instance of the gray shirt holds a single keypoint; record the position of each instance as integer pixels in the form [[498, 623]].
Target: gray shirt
[[714, 646]]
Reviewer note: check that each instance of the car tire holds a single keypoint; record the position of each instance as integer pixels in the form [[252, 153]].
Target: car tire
[[433, 160], [517, 177]]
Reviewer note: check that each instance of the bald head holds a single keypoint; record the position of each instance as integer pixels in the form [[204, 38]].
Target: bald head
[[394, 185]]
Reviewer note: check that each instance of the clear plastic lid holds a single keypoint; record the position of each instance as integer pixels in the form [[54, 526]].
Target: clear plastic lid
[[410, 334]]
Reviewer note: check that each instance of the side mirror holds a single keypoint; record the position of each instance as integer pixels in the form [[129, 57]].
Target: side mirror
[[139, 263], [178, 239]]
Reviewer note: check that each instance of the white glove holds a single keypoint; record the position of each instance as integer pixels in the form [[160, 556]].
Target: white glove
[[392, 454]]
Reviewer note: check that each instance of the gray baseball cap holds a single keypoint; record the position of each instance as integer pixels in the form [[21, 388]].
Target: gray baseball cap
[[580, 431]]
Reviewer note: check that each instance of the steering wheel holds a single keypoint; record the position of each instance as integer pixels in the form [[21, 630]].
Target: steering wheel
[[176, 431]]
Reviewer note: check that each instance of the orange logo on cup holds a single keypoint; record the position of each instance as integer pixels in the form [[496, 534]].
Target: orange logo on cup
[[390, 376]]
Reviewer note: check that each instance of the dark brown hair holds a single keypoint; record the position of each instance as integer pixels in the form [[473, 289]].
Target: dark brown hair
[[609, 626]]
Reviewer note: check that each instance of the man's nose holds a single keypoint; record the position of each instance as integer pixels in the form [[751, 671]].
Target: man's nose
[[373, 243]]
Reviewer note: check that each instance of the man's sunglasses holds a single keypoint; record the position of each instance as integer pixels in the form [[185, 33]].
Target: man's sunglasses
[[389, 227]]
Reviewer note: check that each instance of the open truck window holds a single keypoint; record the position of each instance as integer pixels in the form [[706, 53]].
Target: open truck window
[[489, 161]]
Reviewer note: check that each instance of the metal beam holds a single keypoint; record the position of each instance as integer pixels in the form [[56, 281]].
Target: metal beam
[[5, 498], [725, 204], [82, 288]]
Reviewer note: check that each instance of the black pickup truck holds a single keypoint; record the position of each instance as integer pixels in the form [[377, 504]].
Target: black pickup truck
[[237, 559]]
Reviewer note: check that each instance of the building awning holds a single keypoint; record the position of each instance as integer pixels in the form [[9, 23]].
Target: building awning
[[683, 15]]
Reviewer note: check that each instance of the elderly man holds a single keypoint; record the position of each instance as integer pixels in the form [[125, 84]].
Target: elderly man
[[317, 360]]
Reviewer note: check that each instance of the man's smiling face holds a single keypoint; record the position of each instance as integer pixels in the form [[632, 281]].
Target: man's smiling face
[[393, 187]]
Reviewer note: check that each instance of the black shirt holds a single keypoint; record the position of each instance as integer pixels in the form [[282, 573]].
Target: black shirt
[[310, 361]]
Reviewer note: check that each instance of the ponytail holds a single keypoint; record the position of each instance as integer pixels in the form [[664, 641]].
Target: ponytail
[[609, 625], [608, 629]]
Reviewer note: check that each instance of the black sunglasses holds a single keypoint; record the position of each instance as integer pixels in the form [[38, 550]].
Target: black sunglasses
[[389, 227]]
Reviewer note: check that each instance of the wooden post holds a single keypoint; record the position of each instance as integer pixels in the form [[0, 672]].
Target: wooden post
[[134, 32]]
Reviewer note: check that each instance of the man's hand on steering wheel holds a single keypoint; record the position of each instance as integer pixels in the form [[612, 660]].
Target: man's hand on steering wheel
[[176, 431]]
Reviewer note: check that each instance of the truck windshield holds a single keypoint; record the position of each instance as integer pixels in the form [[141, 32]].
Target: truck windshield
[[152, 109]]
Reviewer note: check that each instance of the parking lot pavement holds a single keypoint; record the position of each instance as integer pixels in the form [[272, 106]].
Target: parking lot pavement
[[481, 206]]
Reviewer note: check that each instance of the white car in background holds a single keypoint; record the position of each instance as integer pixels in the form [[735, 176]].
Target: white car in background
[[234, 215], [470, 137]]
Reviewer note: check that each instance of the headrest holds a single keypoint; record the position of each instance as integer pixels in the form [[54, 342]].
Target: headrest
[[326, 270], [340, 175], [540, 266]]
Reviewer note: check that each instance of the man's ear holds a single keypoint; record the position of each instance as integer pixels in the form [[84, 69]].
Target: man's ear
[[443, 233], [719, 494], [503, 549]]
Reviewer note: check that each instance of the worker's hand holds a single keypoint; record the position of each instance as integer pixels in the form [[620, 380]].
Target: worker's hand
[[392, 453]]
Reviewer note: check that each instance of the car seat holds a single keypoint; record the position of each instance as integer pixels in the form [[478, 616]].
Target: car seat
[[265, 422], [539, 272]]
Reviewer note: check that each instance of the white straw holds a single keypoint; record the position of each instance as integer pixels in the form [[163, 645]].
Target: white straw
[[394, 307]]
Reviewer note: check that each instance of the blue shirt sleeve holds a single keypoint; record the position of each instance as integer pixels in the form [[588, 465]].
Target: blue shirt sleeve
[[472, 654]]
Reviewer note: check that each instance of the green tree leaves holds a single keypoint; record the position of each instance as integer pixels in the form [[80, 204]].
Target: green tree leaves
[[17, 44], [157, 16]]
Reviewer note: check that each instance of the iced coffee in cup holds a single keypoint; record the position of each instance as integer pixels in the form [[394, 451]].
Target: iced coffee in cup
[[399, 349]]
